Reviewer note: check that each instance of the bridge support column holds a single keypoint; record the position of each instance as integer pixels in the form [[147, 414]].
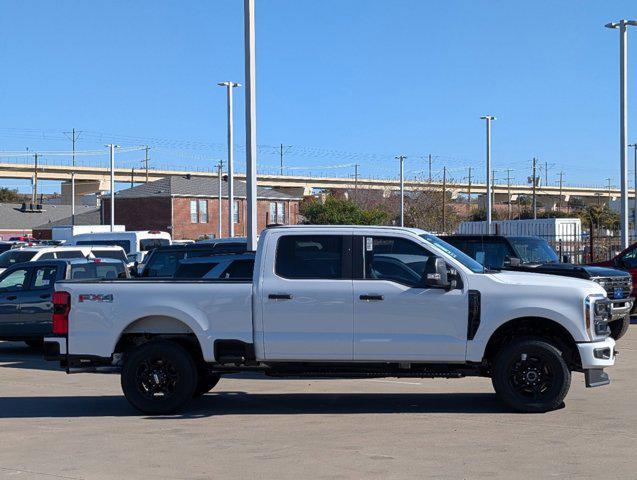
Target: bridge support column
[[82, 187]]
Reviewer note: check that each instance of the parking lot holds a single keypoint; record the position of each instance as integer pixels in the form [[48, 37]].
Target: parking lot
[[55, 425]]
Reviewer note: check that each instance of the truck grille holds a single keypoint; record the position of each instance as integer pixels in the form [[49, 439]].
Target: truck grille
[[616, 287]]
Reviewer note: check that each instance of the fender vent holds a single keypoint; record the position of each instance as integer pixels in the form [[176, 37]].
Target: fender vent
[[473, 322]]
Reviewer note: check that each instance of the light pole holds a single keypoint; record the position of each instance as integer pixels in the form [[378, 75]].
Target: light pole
[[251, 127], [401, 159], [112, 148], [229, 86], [488, 119], [634, 145], [622, 25]]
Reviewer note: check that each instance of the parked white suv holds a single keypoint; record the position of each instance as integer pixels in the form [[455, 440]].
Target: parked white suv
[[342, 302], [31, 254]]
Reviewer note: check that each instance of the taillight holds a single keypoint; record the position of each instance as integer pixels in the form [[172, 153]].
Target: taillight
[[61, 309]]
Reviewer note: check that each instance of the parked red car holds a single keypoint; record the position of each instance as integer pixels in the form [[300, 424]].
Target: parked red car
[[626, 260]]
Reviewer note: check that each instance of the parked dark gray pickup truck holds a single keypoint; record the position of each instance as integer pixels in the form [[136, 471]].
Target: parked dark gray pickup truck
[[534, 254], [26, 293]]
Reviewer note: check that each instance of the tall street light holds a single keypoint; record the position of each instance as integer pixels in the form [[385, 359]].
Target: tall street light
[[622, 25], [401, 159], [229, 86], [251, 126], [112, 148], [634, 146], [488, 118]]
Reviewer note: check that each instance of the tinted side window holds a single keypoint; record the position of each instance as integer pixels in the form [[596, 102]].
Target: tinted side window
[[395, 259], [163, 264], [150, 243], [43, 277], [310, 257], [47, 256], [114, 254], [14, 281], [239, 270], [70, 254], [194, 270]]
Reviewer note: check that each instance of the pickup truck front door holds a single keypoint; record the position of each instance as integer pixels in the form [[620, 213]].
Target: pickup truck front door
[[395, 317], [307, 300], [11, 285], [36, 304]]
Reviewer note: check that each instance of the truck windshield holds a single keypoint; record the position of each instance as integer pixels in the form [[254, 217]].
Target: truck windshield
[[11, 257], [533, 250], [452, 251]]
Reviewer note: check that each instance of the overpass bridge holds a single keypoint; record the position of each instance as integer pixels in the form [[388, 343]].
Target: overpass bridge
[[92, 179]]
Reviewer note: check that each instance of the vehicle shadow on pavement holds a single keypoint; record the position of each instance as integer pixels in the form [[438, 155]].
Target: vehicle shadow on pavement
[[241, 403], [18, 355]]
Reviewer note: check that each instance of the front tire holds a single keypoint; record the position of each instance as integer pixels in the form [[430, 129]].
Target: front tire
[[159, 377], [530, 375], [207, 381]]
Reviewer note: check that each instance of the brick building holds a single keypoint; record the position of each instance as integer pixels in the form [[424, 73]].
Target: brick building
[[187, 207]]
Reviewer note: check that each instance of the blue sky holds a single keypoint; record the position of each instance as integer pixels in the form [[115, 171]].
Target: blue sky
[[349, 81]]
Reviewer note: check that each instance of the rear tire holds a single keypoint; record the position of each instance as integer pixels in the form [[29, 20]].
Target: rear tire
[[530, 375], [159, 377], [618, 328], [207, 381]]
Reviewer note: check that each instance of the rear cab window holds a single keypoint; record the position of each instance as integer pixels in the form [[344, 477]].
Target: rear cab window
[[114, 254], [318, 257]]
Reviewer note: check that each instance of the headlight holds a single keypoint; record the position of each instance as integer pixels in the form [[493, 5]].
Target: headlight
[[598, 312]]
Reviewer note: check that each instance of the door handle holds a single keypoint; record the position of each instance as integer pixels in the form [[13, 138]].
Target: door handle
[[370, 298], [11, 297], [280, 296]]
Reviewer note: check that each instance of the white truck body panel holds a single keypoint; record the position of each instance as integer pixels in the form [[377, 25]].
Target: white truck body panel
[[325, 320]]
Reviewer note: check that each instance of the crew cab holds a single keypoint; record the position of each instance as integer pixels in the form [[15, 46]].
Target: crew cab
[[339, 301], [534, 254], [26, 293]]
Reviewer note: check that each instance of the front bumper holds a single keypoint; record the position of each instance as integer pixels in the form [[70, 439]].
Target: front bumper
[[595, 356], [621, 307]]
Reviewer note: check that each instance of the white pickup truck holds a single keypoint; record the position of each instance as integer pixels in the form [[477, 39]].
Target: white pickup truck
[[338, 301]]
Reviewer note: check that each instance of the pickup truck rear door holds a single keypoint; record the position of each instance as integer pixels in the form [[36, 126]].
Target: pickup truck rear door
[[307, 298], [36, 301], [395, 316]]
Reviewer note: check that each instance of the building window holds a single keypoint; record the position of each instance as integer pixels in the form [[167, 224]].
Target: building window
[[277, 213], [203, 211], [280, 212], [193, 211], [235, 211]]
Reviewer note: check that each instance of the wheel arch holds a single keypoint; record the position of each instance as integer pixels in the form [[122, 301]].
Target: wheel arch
[[533, 327]]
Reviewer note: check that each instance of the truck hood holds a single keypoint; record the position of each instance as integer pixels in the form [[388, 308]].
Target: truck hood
[[544, 280], [570, 270]]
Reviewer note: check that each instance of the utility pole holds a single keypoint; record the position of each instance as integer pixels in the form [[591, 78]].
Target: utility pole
[[469, 192], [251, 126], [146, 159], [546, 174], [219, 200], [492, 186], [281, 152], [488, 119], [401, 159], [229, 86], [534, 180], [356, 182], [634, 145], [444, 199], [112, 148], [430, 169], [622, 25], [559, 202], [74, 136], [509, 170]]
